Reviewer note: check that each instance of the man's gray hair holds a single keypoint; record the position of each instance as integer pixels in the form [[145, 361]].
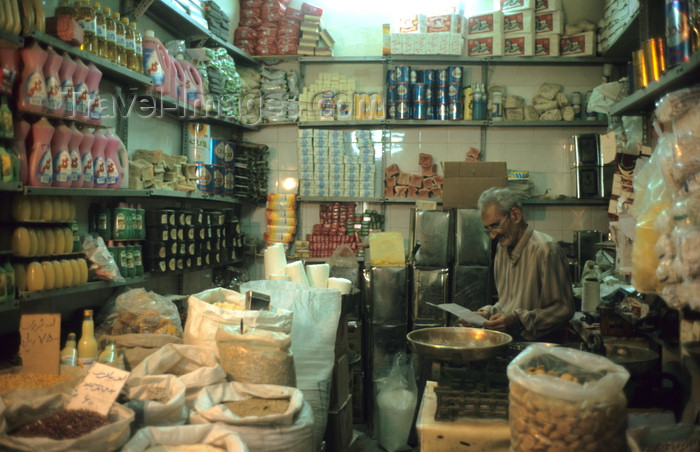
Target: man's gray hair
[[502, 198]]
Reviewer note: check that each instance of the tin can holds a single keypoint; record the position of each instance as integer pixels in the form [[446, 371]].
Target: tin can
[[402, 74], [678, 34], [391, 110], [497, 106], [640, 69], [391, 95], [219, 179], [403, 110], [420, 110], [655, 58], [228, 182], [416, 75], [576, 104], [429, 76], [218, 148], [229, 152], [441, 111], [454, 92], [430, 111], [390, 77], [454, 74], [403, 91], [429, 92], [441, 94], [455, 110], [205, 177], [441, 76], [418, 94]]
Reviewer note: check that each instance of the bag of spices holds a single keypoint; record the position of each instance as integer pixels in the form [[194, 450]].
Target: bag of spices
[[204, 438], [565, 399], [157, 400]]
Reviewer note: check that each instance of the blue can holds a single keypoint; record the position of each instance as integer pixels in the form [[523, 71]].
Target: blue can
[[441, 94], [441, 111], [420, 110], [218, 179], [229, 181], [455, 110], [454, 74], [391, 95], [430, 112], [391, 110], [218, 148], [429, 92], [416, 75], [403, 91], [429, 76], [678, 35], [205, 177], [402, 74], [442, 76], [390, 77], [229, 153], [403, 110], [418, 94], [454, 92]]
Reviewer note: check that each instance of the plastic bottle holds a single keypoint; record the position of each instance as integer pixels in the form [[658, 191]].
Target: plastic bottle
[[129, 45], [86, 159], [35, 277], [62, 171], [156, 62], [32, 96], [194, 83], [497, 106], [57, 274], [121, 39], [14, 25], [65, 75], [85, 16], [8, 166], [98, 159], [82, 93], [76, 164], [109, 354], [9, 62], [11, 282], [87, 346], [65, 8], [138, 260], [54, 104], [69, 354], [115, 158], [100, 31], [130, 269], [178, 81], [93, 83], [40, 162], [110, 36], [138, 47], [480, 103]]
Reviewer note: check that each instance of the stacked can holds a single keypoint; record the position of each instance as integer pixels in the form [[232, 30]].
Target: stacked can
[[422, 88], [215, 170], [402, 76], [425, 93], [451, 104]]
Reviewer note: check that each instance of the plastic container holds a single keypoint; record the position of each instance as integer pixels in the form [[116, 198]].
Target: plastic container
[[156, 62], [87, 346], [138, 43], [69, 354], [178, 81], [65, 75], [110, 36], [75, 161], [82, 93], [21, 131], [130, 45], [116, 160], [100, 31], [98, 159], [120, 33], [86, 159], [40, 167], [85, 16], [62, 171], [193, 83], [120, 222], [9, 63], [93, 83], [32, 95], [54, 103]]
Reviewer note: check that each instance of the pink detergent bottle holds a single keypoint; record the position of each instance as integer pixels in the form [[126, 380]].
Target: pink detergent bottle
[[115, 155], [9, 62], [177, 89], [98, 159], [65, 74], [194, 84], [76, 165], [82, 92], [85, 150], [54, 104], [156, 63], [32, 95], [21, 129], [40, 160], [93, 82], [62, 175]]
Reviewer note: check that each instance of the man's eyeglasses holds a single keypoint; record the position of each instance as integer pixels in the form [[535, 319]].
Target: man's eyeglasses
[[493, 227]]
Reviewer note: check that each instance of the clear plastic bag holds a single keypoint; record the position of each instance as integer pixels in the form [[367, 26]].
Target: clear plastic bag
[[397, 400], [102, 264], [142, 312]]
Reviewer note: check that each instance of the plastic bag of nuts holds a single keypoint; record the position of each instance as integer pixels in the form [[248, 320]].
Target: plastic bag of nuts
[[563, 399]]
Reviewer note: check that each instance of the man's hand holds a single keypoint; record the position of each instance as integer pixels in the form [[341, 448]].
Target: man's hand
[[501, 322], [484, 314]]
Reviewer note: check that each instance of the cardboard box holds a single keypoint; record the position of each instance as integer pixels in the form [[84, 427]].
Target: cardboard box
[[510, 5], [547, 5], [444, 23], [582, 44], [522, 44], [340, 383], [519, 22], [486, 46], [547, 45], [549, 22], [339, 427], [465, 181], [485, 24]]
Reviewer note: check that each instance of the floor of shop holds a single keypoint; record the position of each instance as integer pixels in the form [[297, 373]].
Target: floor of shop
[[362, 442]]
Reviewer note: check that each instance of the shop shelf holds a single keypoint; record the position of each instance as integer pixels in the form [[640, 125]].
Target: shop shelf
[[97, 192], [340, 60], [10, 186], [166, 105], [566, 202], [11, 305], [321, 199], [577, 123], [9, 39], [434, 123], [455, 60], [83, 288], [160, 193], [109, 70], [396, 200], [52, 117], [343, 123]]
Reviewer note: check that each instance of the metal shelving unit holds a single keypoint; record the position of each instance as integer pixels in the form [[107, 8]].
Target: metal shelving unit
[[25, 297], [337, 199]]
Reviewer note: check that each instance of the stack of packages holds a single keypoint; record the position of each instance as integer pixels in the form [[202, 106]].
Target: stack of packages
[[280, 211], [216, 19], [332, 230], [268, 27], [251, 97], [405, 185], [314, 40], [223, 81], [280, 91], [158, 170], [333, 97], [425, 35], [250, 174]]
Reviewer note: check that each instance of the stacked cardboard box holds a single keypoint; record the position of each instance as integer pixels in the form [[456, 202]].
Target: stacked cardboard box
[[427, 35], [314, 40]]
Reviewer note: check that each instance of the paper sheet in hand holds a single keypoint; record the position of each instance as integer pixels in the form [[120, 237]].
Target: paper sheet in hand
[[463, 313]]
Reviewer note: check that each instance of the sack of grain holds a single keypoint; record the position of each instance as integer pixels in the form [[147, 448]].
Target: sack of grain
[[156, 400], [199, 438]]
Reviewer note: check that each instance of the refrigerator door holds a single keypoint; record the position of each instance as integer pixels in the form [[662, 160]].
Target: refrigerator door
[[429, 286], [471, 286], [388, 287], [473, 246], [431, 237]]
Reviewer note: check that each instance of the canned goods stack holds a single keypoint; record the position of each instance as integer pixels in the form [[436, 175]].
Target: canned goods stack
[[339, 225], [213, 159], [425, 93], [280, 211]]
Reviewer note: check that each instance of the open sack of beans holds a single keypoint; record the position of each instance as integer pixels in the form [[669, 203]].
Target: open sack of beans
[[565, 399], [156, 400], [61, 429], [199, 438]]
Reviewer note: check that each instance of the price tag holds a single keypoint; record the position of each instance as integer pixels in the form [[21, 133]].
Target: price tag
[[99, 389], [39, 344]]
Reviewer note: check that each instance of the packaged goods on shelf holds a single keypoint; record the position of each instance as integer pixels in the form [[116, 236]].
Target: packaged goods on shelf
[[251, 171], [519, 44], [217, 20], [513, 5], [582, 44], [549, 22], [549, 5], [547, 45], [519, 22], [485, 24], [412, 24], [400, 184], [484, 45]]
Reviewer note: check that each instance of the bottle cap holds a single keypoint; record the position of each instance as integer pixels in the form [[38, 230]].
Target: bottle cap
[[149, 33]]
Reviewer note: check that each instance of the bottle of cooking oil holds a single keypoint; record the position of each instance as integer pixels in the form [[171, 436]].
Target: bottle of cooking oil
[[65, 8], [121, 39], [130, 45], [100, 31], [85, 16], [110, 36], [138, 42]]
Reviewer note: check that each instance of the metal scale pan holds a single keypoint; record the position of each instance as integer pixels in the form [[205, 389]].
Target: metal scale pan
[[457, 345]]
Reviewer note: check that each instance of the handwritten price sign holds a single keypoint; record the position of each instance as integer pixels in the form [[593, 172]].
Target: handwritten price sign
[[99, 389], [39, 346]]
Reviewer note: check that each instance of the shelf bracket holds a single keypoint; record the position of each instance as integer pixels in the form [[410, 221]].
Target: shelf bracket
[[137, 11]]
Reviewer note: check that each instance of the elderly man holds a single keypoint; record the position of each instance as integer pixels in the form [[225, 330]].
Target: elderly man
[[535, 300]]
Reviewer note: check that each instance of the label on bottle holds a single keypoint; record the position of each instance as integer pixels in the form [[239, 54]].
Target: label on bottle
[[120, 221], [139, 48], [121, 39], [123, 260], [68, 96], [35, 90], [100, 30], [99, 172], [89, 25], [62, 171], [152, 66], [130, 260], [44, 172], [112, 173], [102, 221], [95, 110], [82, 99], [111, 34], [130, 44], [68, 359], [75, 167], [53, 88], [88, 172]]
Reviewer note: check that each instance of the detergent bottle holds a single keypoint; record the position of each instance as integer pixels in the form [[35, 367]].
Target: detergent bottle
[[116, 160], [21, 130], [86, 158], [76, 165], [93, 83], [98, 159], [54, 104], [65, 74], [32, 96], [178, 81], [156, 63], [194, 84], [62, 175], [40, 159], [82, 92], [9, 62]]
